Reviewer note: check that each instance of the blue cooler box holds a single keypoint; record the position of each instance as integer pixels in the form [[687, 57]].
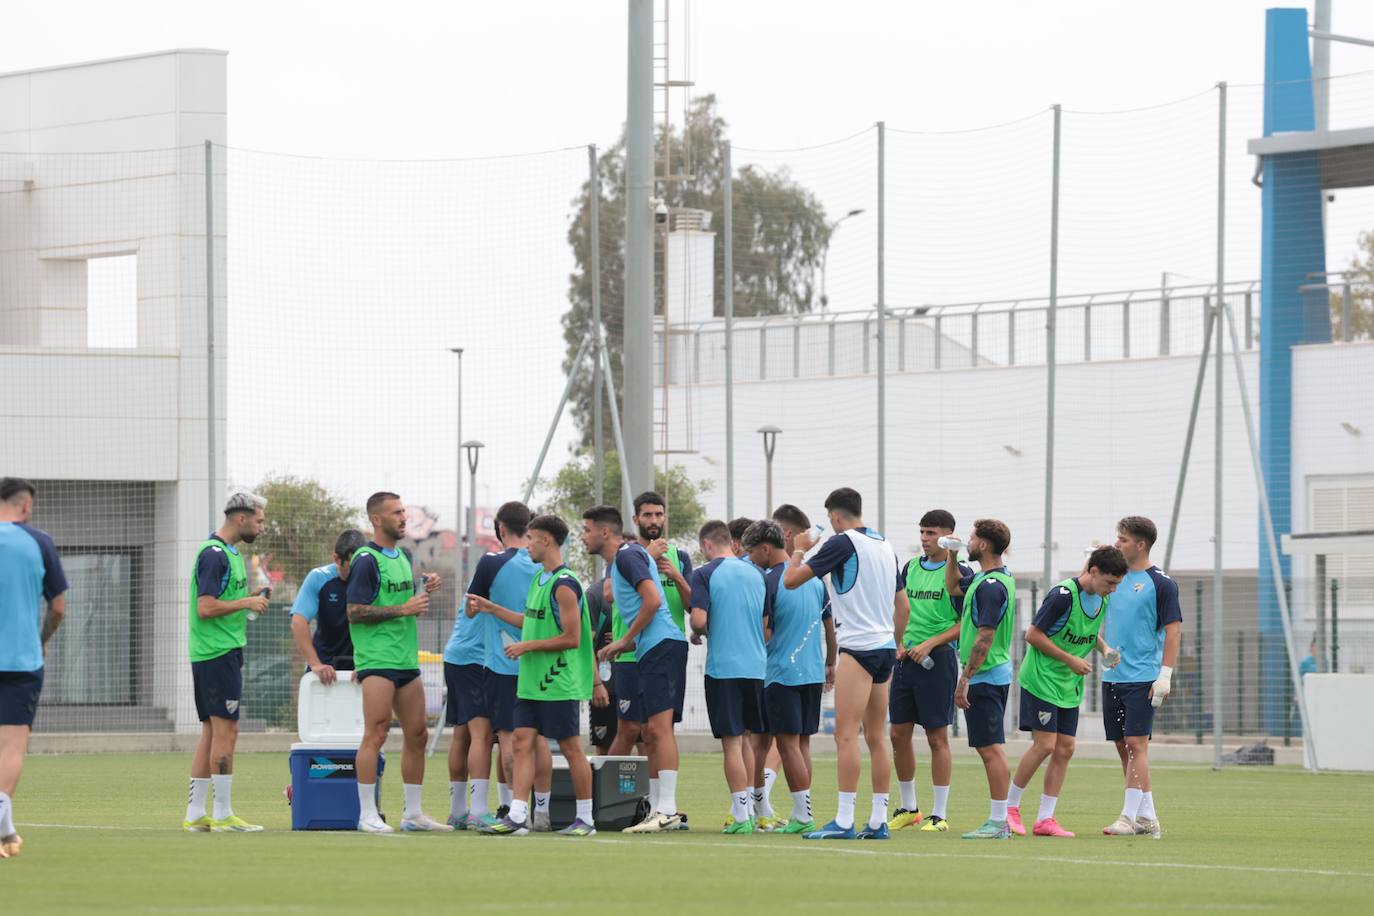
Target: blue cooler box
[[324, 784]]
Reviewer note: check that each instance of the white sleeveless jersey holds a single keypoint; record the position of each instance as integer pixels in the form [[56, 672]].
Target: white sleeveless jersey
[[861, 593]]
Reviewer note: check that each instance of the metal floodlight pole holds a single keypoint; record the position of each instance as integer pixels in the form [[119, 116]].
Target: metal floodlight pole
[[625, 492], [882, 328], [1047, 573], [462, 564], [598, 388], [473, 449], [1218, 578], [729, 285], [1272, 543], [638, 351], [770, 445], [825, 255], [210, 489]]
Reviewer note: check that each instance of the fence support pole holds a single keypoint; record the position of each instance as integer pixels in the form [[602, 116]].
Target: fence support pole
[[729, 272], [882, 329], [1197, 665], [598, 385], [1335, 633], [210, 473], [1047, 572], [1218, 576]]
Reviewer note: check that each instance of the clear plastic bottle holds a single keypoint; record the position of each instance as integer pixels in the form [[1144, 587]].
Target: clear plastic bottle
[[262, 593], [951, 542]]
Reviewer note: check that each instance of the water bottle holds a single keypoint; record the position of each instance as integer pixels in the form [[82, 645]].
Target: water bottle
[[927, 663], [951, 542], [603, 671], [262, 593], [1113, 657]]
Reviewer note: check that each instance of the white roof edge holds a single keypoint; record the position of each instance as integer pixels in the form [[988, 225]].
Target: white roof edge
[[1309, 141], [1334, 543], [114, 60]]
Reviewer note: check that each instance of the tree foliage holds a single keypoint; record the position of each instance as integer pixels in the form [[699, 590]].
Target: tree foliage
[[1360, 275], [780, 237], [303, 521]]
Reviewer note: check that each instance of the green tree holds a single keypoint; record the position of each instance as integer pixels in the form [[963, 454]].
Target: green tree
[[780, 236], [1360, 274], [303, 521], [572, 490]]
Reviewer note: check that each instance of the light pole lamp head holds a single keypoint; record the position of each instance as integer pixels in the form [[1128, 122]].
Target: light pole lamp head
[[473, 448], [770, 440]]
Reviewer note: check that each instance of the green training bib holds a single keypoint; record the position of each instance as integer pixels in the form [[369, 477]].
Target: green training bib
[[1000, 651], [393, 643], [1050, 679], [212, 637], [565, 674]]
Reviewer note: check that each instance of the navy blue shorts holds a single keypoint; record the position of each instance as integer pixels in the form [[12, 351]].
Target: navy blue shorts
[[467, 693], [792, 709], [1040, 716], [554, 719], [19, 692], [397, 676], [987, 704], [627, 704], [501, 700], [925, 697], [218, 685], [1126, 710], [877, 662], [735, 706], [663, 679]]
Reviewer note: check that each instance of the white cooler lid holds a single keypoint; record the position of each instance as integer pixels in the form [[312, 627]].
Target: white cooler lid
[[329, 716]]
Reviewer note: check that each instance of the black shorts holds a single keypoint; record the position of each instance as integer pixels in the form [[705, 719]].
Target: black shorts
[[663, 679], [601, 720], [397, 676], [734, 706], [467, 693], [877, 662], [554, 719], [19, 692], [218, 685], [1040, 716], [987, 704], [925, 697], [1126, 710], [501, 700], [627, 703], [792, 709]]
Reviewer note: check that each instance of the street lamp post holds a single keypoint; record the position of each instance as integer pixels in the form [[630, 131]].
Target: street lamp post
[[462, 560], [825, 256], [770, 444], [473, 449]]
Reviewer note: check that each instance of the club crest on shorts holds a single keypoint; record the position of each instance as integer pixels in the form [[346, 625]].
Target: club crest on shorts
[[1044, 718], [231, 706], [624, 706]]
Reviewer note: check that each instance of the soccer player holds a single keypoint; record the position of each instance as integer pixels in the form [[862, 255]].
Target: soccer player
[[504, 579], [727, 609], [985, 629], [801, 664], [219, 609], [661, 661], [601, 720], [1146, 626], [557, 671], [1062, 634], [926, 624], [674, 564], [30, 574], [862, 567], [383, 601], [793, 521], [602, 536], [323, 600], [737, 528]]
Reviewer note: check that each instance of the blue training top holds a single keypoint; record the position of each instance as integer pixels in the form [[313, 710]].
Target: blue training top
[[731, 592], [796, 645], [633, 565], [30, 571]]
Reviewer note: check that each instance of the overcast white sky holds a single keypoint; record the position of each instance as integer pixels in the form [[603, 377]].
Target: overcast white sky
[[411, 80]]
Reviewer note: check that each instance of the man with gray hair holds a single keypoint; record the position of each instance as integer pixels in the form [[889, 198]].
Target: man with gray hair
[[219, 609]]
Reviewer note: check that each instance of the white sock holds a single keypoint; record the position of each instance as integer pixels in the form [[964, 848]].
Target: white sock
[[844, 816], [878, 813], [998, 810], [667, 792], [519, 810], [224, 803], [937, 807], [907, 791], [584, 810], [367, 801], [653, 793], [457, 799], [1147, 805], [195, 798], [1131, 807], [801, 805], [739, 805], [411, 805], [1047, 803], [762, 806], [7, 814], [503, 794], [541, 802], [1014, 796], [478, 789], [769, 777]]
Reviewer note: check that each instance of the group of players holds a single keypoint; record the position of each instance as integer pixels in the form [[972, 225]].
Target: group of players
[[787, 611]]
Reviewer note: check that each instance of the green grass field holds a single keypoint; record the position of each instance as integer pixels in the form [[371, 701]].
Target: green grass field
[[102, 832]]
